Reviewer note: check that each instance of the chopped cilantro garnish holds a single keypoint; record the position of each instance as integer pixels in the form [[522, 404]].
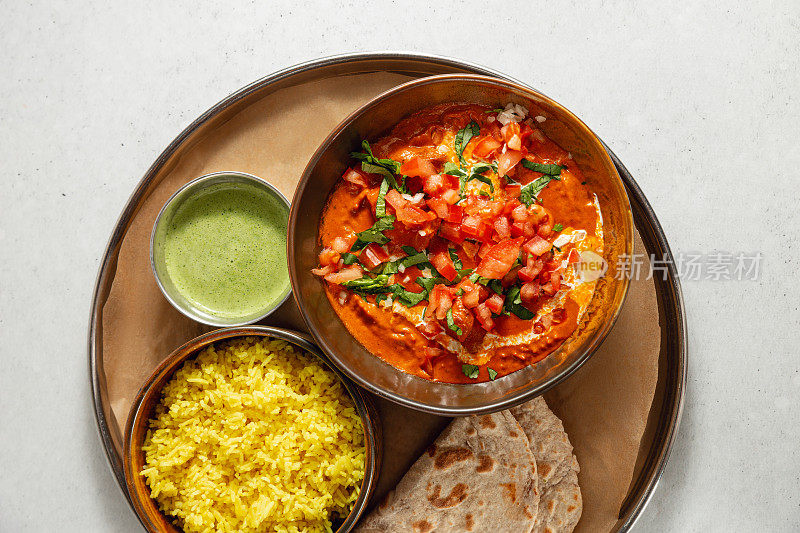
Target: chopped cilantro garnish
[[550, 170], [453, 170], [463, 137], [528, 194], [372, 165], [558, 227], [514, 305], [374, 234], [367, 285], [584, 182], [416, 259], [456, 260], [471, 371], [380, 205], [349, 259], [451, 325], [492, 373]]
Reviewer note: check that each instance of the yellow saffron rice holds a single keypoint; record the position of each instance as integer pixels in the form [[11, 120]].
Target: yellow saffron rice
[[254, 435]]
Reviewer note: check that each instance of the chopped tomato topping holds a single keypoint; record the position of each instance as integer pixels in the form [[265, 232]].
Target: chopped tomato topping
[[446, 211], [473, 226], [507, 161], [529, 292], [574, 256], [510, 131], [551, 287], [486, 146], [414, 216], [441, 260], [513, 190], [372, 256], [495, 303], [462, 318], [537, 246], [484, 316], [395, 199], [323, 271], [451, 196], [417, 166], [470, 248], [328, 257], [502, 227], [531, 270], [499, 258], [346, 274], [451, 232], [356, 177], [343, 244]]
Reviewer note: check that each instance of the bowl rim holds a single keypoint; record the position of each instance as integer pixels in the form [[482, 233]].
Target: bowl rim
[[198, 183], [514, 398], [174, 361]]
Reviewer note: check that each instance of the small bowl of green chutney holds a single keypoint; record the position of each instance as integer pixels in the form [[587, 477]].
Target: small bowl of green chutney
[[218, 249]]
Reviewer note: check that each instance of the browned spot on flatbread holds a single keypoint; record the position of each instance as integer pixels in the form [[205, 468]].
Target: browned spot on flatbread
[[449, 457], [487, 422], [528, 512], [457, 495], [570, 508], [470, 430], [486, 464], [544, 469], [432, 450], [470, 522], [550, 505], [511, 491], [422, 526]]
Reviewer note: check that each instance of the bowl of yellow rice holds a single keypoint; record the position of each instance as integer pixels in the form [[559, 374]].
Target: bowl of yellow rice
[[250, 429]]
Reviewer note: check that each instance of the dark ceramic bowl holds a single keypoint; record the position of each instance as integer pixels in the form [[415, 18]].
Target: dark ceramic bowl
[[150, 394], [370, 122]]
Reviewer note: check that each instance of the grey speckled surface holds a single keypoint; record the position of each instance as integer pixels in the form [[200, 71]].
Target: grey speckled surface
[[699, 101]]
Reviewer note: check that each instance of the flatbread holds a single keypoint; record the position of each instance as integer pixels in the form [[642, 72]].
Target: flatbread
[[479, 475], [560, 505]]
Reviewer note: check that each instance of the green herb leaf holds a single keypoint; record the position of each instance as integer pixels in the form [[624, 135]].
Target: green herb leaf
[[514, 305], [368, 285], [453, 170], [416, 259], [528, 194], [407, 297], [380, 205], [492, 373], [471, 371], [451, 325], [349, 259], [456, 260], [374, 234], [463, 137], [558, 227], [379, 299], [482, 179], [392, 267], [550, 170], [426, 283]]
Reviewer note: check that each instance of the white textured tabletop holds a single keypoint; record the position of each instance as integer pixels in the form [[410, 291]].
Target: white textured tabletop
[[700, 102]]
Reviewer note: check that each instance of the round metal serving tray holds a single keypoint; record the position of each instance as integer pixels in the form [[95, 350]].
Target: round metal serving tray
[[668, 401]]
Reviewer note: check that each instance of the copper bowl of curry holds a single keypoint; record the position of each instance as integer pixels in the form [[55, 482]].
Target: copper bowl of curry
[[458, 244]]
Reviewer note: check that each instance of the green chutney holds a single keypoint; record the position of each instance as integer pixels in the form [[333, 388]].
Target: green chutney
[[225, 250]]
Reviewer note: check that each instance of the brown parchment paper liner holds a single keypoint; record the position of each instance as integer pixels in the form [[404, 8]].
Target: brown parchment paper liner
[[604, 406]]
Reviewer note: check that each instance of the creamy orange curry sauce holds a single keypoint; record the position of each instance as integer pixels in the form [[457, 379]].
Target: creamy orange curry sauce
[[450, 248]]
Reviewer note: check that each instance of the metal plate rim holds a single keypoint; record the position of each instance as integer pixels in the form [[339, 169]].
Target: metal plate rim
[[633, 512]]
